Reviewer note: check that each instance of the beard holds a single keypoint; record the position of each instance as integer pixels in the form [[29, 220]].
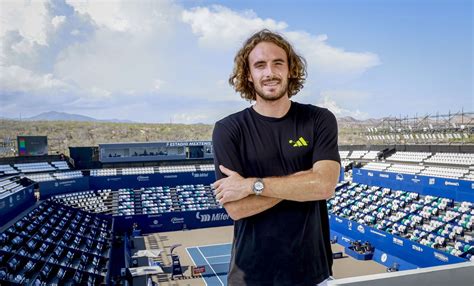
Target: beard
[[270, 96]]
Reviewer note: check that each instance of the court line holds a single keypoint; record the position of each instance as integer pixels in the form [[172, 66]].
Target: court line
[[210, 266], [225, 255], [214, 244], [189, 254]]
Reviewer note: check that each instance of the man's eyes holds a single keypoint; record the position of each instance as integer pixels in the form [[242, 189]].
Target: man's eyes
[[261, 66]]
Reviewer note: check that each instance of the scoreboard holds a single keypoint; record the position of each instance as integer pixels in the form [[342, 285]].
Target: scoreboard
[[32, 145]]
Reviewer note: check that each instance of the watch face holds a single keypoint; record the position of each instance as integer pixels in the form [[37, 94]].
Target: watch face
[[259, 186]]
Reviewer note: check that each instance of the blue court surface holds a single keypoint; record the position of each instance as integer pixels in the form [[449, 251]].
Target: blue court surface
[[215, 258]]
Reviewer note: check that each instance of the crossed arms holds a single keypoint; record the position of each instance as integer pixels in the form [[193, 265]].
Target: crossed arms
[[235, 192]]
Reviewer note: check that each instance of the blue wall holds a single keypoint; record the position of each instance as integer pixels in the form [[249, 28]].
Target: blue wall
[[51, 188], [151, 180], [458, 190], [172, 221], [407, 253], [16, 203]]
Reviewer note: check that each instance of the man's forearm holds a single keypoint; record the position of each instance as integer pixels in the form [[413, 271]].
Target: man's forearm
[[319, 184], [250, 206]]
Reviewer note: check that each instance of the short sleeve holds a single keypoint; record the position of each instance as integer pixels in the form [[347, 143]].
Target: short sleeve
[[226, 150], [326, 131]]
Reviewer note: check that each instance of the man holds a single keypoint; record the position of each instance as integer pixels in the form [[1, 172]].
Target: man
[[276, 164]]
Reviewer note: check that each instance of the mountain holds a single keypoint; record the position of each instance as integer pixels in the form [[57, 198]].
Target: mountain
[[63, 116], [347, 119]]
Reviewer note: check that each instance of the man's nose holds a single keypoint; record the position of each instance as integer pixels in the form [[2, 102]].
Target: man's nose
[[269, 71]]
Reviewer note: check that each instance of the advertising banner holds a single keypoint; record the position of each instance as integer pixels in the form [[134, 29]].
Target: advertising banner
[[57, 187], [151, 180], [458, 190], [173, 221], [13, 204]]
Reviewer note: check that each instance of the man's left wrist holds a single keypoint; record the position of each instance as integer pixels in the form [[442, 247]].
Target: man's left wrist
[[251, 181], [258, 186]]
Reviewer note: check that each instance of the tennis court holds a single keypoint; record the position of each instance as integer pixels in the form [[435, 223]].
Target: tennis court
[[215, 258]]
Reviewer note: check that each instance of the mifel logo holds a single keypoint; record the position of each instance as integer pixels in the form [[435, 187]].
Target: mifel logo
[[298, 143]]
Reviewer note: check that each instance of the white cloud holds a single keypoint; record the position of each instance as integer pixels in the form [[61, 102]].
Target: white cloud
[[27, 17], [158, 84], [57, 21], [328, 102], [346, 96], [128, 16], [15, 78], [153, 55], [328, 60], [221, 27]]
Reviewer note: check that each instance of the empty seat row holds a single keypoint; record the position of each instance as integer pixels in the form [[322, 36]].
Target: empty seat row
[[454, 173], [60, 165], [405, 168], [465, 159], [177, 169], [357, 154], [375, 166], [104, 172], [344, 154], [9, 186], [206, 168], [416, 157], [7, 170], [56, 245], [133, 171], [371, 155]]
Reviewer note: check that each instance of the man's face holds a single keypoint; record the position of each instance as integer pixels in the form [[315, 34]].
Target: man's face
[[269, 71]]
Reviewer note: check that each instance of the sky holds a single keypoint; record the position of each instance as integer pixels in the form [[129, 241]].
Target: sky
[[169, 61]]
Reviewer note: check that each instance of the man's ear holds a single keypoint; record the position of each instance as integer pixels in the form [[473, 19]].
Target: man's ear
[[249, 78]]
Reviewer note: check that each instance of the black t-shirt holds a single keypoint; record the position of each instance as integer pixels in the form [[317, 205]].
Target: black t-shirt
[[287, 244]]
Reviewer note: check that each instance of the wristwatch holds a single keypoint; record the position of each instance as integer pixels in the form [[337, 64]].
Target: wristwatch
[[258, 187]]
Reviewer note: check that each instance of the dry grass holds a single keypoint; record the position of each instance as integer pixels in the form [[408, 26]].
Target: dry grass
[[64, 134]]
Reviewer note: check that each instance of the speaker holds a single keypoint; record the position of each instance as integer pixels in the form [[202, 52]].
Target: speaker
[[84, 157]]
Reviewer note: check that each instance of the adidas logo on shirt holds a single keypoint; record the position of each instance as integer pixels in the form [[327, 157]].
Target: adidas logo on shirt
[[298, 143]]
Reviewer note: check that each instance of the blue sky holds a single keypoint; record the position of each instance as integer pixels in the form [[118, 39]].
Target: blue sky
[[168, 61]]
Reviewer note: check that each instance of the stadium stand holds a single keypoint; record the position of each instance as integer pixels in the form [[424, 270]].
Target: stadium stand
[[68, 175], [436, 222], [357, 154], [134, 171], [41, 177], [99, 201], [415, 157], [461, 159], [177, 169], [196, 197], [7, 170], [54, 244], [376, 166], [104, 172], [371, 155], [149, 200], [9, 186], [60, 165], [405, 168], [34, 167], [444, 172], [344, 154]]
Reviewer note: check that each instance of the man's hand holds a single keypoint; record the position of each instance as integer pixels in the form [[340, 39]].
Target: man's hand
[[232, 188]]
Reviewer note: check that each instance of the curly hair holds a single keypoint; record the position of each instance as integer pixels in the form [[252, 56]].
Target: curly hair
[[239, 77]]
